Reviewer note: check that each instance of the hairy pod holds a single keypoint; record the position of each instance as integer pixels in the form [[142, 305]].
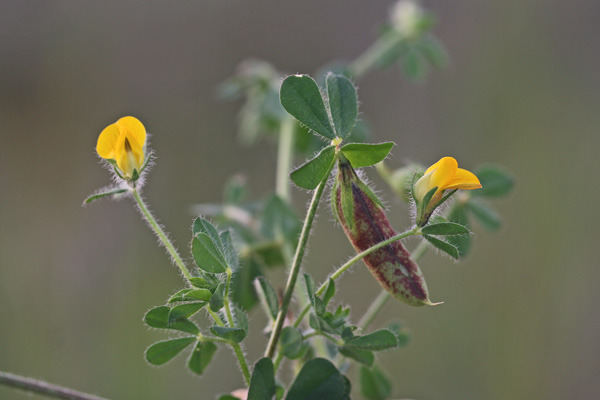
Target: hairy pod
[[361, 214]]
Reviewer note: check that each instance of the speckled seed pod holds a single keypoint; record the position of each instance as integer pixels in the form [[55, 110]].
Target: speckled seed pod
[[361, 215]]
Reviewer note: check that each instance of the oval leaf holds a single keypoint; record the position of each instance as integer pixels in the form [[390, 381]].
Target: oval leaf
[[233, 334], [494, 182], [485, 214], [364, 155], [365, 357], [444, 228], [184, 311], [201, 356], [378, 340], [159, 318], [319, 379], [301, 97], [262, 383], [374, 385], [342, 103], [311, 173], [268, 296], [291, 342], [206, 255], [162, 352]]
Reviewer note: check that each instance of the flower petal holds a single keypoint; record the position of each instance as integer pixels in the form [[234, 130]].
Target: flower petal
[[465, 180], [134, 129], [443, 173], [107, 142]]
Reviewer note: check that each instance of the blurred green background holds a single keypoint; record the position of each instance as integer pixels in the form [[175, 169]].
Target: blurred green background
[[520, 319]]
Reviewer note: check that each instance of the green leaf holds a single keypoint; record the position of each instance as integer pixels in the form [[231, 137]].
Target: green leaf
[[329, 292], [242, 287], [262, 383], [311, 173], [279, 221], [443, 246], [458, 214], [162, 352], [202, 225], [485, 214], [445, 228], [158, 317], [301, 97], [319, 324], [402, 333], [495, 182], [240, 318], [227, 397], [184, 311], [291, 342], [319, 379], [374, 385], [316, 302], [233, 334], [217, 300], [365, 357], [235, 190], [342, 103], [379, 340], [412, 64], [434, 51], [206, 255], [190, 295], [231, 256], [202, 283], [201, 356], [268, 296], [104, 194], [364, 155]]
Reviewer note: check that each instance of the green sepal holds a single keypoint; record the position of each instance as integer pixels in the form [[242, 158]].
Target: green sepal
[[365, 357], [268, 296], [291, 342], [485, 214], [158, 317], [444, 246], [347, 204], [217, 300], [342, 103], [300, 96], [495, 182], [201, 356], [162, 352], [423, 209], [97, 196], [379, 340], [184, 311], [364, 155], [319, 379], [190, 295], [444, 228], [311, 173], [374, 385], [262, 383], [234, 334]]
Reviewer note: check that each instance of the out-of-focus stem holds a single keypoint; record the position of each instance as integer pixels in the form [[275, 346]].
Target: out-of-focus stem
[[44, 388], [285, 152]]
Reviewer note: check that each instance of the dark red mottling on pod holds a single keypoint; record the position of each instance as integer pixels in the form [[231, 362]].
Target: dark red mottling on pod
[[361, 215]]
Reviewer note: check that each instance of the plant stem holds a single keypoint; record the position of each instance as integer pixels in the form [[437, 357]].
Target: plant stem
[[338, 272], [239, 353], [285, 151], [378, 303], [369, 59], [160, 233], [293, 275], [44, 388]]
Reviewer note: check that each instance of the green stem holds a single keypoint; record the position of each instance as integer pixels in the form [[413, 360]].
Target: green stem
[[226, 299], [372, 56], [293, 275], [285, 151], [43, 388], [161, 234], [350, 263], [239, 353], [384, 295]]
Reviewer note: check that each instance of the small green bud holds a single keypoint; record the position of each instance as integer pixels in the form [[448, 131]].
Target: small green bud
[[361, 214]]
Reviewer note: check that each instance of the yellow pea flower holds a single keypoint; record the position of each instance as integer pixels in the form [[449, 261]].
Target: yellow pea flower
[[124, 143], [444, 175]]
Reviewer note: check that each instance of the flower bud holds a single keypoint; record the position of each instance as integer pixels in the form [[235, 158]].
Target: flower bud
[[361, 215]]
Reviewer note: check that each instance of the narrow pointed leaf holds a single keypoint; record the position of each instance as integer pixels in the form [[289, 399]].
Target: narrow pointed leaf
[[190, 295], [329, 291], [342, 103], [262, 383], [268, 296], [162, 352], [379, 340], [310, 174], [445, 228], [443, 246], [104, 194], [158, 317], [201, 356], [301, 97], [485, 214], [217, 300], [364, 155]]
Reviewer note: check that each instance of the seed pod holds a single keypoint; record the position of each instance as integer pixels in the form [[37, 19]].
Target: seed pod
[[361, 215]]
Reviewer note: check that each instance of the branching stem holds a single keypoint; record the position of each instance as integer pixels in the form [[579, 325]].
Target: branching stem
[[44, 388]]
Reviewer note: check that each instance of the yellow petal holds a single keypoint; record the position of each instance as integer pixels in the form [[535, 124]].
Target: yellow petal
[[133, 128], [465, 180], [443, 173], [107, 142]]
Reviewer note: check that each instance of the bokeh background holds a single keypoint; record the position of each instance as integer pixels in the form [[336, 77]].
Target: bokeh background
[[520, 319]]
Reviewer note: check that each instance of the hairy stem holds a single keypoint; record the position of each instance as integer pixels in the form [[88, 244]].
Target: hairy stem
[[285, 153], [293, 275], [161, 234], [44, 388]]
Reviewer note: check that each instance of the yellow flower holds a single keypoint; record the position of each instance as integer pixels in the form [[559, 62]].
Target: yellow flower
[[124, 143], [444, 175]]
